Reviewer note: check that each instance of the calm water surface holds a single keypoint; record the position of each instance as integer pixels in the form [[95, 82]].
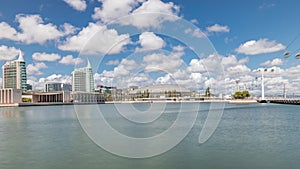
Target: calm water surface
[[248, 136]]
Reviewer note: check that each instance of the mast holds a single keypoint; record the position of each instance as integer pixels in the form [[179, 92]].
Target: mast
[[262, 86], [284, 91]]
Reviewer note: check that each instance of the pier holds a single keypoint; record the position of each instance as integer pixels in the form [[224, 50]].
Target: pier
[[286, 101], [294, 101]]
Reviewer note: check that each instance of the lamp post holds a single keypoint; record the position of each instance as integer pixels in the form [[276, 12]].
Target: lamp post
[[262, 83], [237, 81], [288, 54], [262, 70], [284, 91]]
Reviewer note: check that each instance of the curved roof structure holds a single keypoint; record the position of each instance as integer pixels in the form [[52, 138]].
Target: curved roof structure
[[159, 88]]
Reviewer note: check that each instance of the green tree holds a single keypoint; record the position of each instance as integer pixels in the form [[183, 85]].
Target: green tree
[[27, 100], [139, 94], [207, 92], [169, 94], [241, 95], [246, 94], [147, 94]]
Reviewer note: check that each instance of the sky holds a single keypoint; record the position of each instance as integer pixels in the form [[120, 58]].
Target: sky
[[146, 42]]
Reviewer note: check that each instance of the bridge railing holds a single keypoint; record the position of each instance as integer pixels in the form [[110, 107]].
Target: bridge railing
[[281, 98]]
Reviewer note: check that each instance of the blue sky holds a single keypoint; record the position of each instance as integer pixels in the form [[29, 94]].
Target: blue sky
[[248, 34]]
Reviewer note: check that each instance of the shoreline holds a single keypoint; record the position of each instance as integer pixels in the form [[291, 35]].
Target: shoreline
[[243, 102], [131, 102], [42, 104], [167, 101]]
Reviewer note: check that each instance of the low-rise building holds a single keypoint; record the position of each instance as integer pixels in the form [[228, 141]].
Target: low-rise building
[[56, 87], [28, 87], [10, 96], [109, 92], [48, 97], [87, 97], [161, 91]]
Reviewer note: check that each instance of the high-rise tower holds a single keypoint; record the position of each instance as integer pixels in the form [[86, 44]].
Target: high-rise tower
[[83, 79], [14, 74]]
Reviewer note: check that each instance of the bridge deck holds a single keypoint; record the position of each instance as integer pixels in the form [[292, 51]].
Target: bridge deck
[[286, 101]]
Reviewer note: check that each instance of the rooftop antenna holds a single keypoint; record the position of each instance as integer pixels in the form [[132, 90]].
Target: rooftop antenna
[[21, 58], [88, 64]]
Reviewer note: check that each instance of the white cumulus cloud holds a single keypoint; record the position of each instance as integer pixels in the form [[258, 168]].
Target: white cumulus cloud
[[50, 57], [218, 28], [79, 5], [35, 69], [139, 11], [160, 62], [7, 32], [123, 69], [95, 39], [8, 53], [57, 78], [111, 10], [274, 62], [261, 46], [112, 62], [197, 33], [34, 30], [194, 21], [150, 41], [178, 48], [68, 29], [69, 60], [39, 84]]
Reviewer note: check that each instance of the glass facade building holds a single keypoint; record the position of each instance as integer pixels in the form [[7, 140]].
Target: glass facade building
[[83, 79], [56, 87], [14, 74]]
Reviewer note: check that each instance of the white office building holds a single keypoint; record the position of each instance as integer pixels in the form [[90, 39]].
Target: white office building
[[14, 74], [83, 79]]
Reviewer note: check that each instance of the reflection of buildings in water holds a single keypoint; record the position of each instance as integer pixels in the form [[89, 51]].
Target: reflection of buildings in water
[[9, 112]]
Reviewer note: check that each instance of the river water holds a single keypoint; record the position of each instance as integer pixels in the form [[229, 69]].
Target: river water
[[258, 136]]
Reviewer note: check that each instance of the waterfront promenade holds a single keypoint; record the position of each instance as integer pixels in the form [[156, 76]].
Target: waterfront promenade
[[43, 104], [248, 136], [294, 101]]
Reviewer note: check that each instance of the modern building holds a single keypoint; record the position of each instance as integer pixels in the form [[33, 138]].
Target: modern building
[[105, 89], [87, 97], [56, 87], [14, 74], [48, 97], [109, 92], [161, 91], [10, 96], [28, 87], [83, 79]]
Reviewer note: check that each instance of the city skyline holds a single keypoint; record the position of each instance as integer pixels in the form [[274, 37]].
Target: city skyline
[[247, 36]]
